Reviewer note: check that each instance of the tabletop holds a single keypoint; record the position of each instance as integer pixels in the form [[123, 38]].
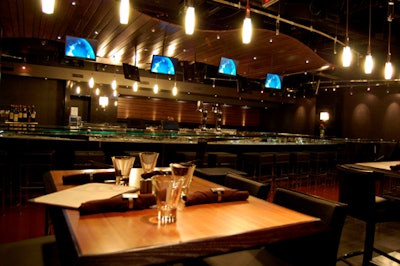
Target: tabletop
[[135, 237]]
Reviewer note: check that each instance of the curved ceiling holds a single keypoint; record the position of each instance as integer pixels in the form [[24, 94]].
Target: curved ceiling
[[155, 28]]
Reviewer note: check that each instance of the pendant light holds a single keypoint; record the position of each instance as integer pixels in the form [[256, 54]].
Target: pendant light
[[347, 56], [155, 87], [48, 6], [247, 28], [190, 18], [135, 86], [388, 65], [174, 90], [369, 62], [114, 84], [124, 12], [91, 82]]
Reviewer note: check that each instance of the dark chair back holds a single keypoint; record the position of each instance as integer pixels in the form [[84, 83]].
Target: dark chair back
[[256, 189], [357, 188], [316, 249]]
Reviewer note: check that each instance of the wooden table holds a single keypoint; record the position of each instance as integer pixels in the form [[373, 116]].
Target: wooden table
[[135, 238]]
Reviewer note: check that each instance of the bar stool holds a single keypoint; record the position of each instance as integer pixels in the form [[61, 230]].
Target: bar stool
[[259, 163], [300, 162], [84, 159], [282, 168], [222, 159], [319, 167], [32, 166]]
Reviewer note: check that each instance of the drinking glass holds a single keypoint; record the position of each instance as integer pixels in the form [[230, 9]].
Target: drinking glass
[[148, 161], [167, 190], [184, 170], [122, 166]]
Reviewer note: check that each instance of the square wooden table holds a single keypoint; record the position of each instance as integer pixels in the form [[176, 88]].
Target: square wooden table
[[136, 238]]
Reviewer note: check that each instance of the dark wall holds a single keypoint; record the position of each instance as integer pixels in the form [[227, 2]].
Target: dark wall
[[46, 95]]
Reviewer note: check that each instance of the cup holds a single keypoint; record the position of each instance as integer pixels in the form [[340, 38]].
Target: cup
[[184, 170], [148, 160], [167, 190], [122, 166]]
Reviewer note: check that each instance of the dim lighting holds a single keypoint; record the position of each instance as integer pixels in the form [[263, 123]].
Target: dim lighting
[[48, 6], [189, 19], [324, 116], [247, 29], [155, 88], [388, 65], [103, 101], [91, 82], [369, 62], [347, 56], [174, 90], [114, 84], [124, 12]]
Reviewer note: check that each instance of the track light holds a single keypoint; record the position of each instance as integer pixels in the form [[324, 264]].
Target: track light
[[48, 6], [247, 29]]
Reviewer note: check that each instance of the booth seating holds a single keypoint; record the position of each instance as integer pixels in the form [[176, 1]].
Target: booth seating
[[256, 189], [314, 249], [88, 159], [222, 159], [32, 165], [358, 188]]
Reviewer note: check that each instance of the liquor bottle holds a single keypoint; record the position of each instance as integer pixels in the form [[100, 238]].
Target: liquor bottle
[[25, 114], [15, 113], [33, 114], [20, 114], [11, 114], [28, 114]]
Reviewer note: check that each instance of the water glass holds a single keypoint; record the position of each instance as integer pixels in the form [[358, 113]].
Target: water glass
[[184, 170], [122, 166], [167, 190], [148, 160]]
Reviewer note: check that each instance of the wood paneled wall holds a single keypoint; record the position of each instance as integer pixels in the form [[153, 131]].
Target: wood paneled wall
[[185, 112]]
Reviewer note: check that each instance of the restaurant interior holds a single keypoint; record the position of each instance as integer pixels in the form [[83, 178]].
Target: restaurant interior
[[295, 102]]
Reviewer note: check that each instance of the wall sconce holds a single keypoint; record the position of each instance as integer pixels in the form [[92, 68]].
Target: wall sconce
[[48, 6], [103, 101], [324, 116]]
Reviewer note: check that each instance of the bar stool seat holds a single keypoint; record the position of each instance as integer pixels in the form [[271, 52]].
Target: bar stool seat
[[222, 159], [300, 162], [262, 164], [84, 159], [32, 166]]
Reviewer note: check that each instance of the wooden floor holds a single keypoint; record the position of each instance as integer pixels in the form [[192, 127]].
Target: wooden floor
[[28, 221]]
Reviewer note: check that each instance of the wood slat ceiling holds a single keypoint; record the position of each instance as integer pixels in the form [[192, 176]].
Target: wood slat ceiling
[[145, 35]]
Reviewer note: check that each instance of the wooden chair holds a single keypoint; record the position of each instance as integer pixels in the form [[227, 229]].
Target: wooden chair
[[256, 189], [316, 249], [358, 188]]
